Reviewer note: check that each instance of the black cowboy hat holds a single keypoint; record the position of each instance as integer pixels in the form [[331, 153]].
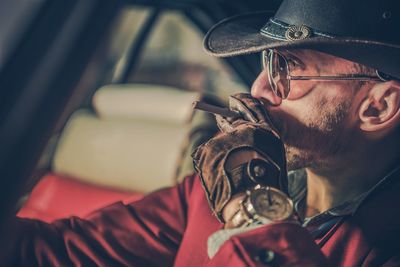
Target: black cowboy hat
[[363, 31]]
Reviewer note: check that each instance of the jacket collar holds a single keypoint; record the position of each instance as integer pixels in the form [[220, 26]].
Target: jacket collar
[[297, 183]]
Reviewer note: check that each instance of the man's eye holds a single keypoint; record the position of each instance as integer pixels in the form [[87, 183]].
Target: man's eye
[[294, 63]]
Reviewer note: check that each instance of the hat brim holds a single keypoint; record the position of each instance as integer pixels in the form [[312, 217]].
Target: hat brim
[[241, 35]]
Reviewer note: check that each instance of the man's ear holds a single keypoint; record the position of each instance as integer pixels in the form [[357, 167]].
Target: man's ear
[[380, 110]]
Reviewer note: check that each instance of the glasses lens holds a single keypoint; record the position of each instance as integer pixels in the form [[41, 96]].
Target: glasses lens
[[278, 74]]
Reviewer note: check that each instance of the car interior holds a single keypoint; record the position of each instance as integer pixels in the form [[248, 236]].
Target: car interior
[[97, 97]]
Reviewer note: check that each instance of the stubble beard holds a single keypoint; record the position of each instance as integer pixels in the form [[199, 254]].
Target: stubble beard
[[319, 142]]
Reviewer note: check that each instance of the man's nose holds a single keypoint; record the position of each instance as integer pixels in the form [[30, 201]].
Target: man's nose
[[262, 90]]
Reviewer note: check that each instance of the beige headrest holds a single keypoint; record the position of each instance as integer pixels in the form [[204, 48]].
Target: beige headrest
[[133, 142], [130, 155], [144, 101]]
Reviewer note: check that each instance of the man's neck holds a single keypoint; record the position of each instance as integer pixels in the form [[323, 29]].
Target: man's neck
[[325, 192], [329, 188]]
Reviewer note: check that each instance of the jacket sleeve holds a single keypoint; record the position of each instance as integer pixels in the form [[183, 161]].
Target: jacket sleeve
[[278, 244], [143, 233]]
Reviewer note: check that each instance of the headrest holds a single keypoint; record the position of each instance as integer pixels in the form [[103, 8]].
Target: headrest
[[144, 102]]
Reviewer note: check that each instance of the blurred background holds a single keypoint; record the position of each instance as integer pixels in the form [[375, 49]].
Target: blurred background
[[97, 98]]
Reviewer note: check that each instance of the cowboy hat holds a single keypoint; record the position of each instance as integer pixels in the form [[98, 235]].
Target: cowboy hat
[[363, 31]]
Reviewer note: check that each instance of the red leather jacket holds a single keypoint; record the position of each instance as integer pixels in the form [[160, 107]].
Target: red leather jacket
[[170, 227]]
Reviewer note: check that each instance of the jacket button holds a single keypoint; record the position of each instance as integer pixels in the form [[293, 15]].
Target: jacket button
[[265, 256]]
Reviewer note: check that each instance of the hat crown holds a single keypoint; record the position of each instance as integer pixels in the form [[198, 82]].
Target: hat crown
[[366, 19]]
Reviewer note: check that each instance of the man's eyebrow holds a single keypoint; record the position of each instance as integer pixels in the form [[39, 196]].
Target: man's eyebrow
[[292, 55]]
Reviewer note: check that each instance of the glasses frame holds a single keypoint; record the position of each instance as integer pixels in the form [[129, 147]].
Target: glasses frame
[[267, 63]]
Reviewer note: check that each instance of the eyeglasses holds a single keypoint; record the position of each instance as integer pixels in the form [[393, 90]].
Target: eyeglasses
[[279, 75]]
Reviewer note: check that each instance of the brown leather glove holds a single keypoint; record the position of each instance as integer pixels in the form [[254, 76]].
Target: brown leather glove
[[252, 132]]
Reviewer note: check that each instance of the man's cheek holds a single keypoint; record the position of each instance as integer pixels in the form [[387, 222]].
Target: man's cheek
[[300, 89]]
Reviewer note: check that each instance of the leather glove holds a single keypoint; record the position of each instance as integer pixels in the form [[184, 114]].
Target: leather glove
[[252, 132]]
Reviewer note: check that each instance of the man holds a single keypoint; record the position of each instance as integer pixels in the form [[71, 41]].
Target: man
[[330, 91]]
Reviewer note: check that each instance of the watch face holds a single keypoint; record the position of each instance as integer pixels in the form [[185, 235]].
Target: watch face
[[271, 203]]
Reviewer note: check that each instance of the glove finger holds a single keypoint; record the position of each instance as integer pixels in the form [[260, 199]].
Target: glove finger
[[227, 125], [196, 154], [224, 124], [251, 106], [254, 108], [236, 104]]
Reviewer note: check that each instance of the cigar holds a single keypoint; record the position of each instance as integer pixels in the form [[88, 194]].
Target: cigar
[[225, 112]]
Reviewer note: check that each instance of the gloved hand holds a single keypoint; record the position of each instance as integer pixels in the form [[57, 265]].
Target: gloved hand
[[252, 134]]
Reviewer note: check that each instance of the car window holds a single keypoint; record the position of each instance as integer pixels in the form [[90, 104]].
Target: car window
[[172, 55]]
